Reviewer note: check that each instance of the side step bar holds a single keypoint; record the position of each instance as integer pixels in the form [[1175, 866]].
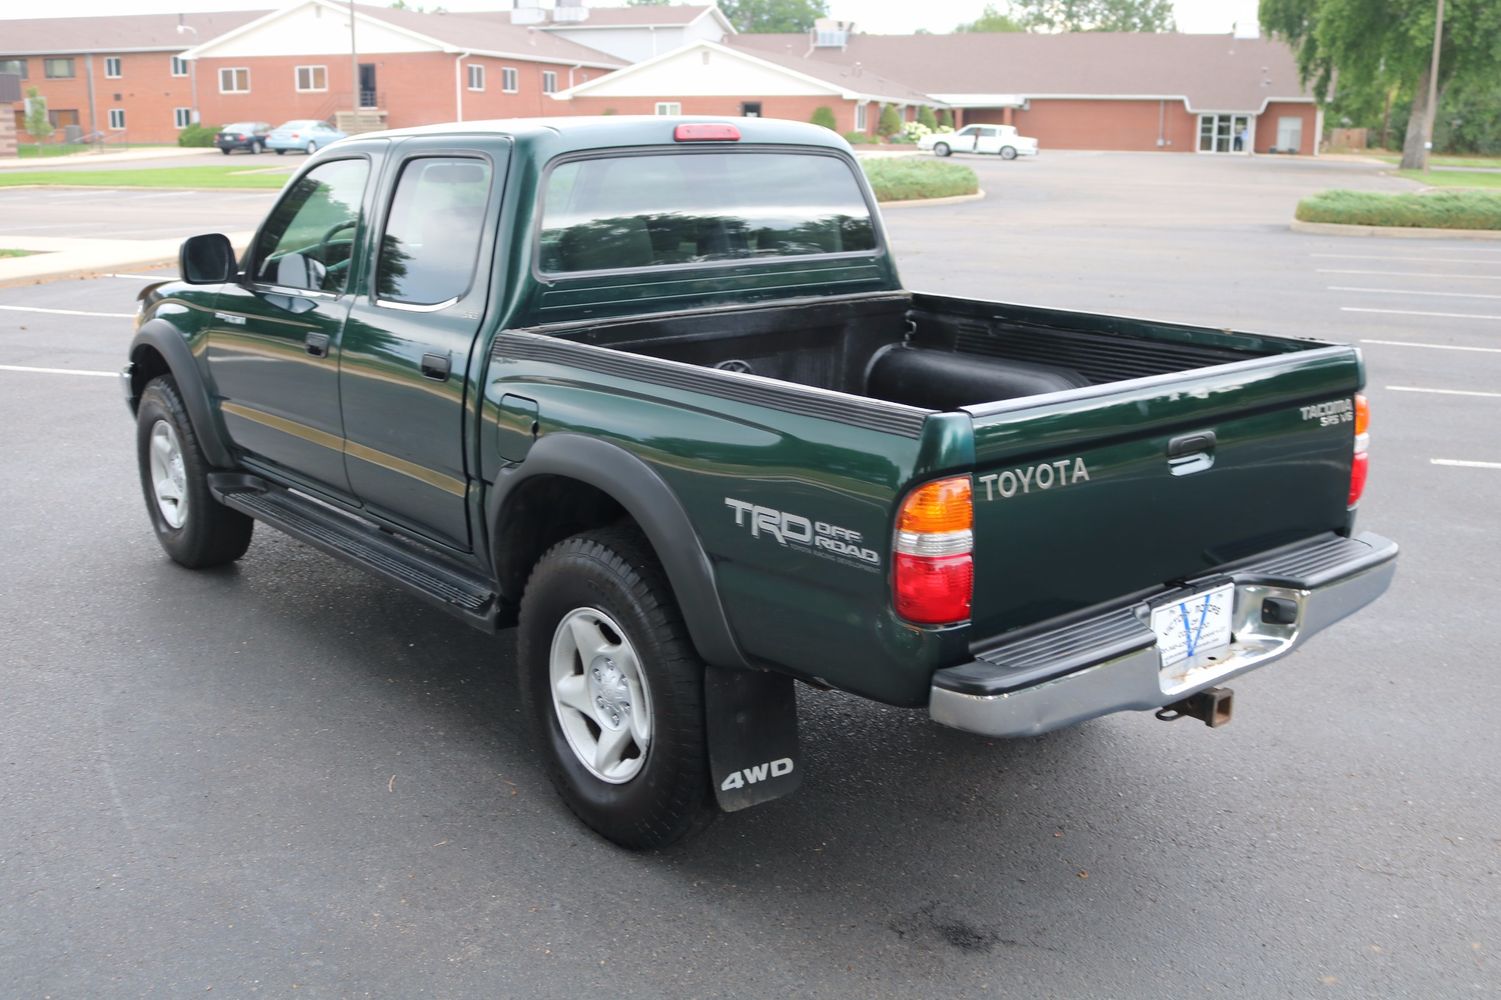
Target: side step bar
[[410, 565]]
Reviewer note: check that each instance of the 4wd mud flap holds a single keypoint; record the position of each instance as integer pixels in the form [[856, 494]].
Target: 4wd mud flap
[[751, 720]]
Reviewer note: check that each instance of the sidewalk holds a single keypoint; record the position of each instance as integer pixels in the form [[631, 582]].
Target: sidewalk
[[92, 159], [58, 257]]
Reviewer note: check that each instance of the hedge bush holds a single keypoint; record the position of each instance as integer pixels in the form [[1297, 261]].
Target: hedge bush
[[824, 115], [906, 178], [1435, 210], [197, 135]]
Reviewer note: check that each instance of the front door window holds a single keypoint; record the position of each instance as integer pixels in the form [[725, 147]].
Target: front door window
[[306, 241]]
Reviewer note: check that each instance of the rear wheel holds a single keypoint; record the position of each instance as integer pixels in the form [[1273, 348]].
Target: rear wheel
[[195, 529], [281, 152], [941, 149], [614, 690], [1008, 152], [312, 148], [224, 150]]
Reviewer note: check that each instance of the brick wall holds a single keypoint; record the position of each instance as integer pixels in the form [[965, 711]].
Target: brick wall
[[8, 128], [146, 91], [1126, 125], [1266, 126]]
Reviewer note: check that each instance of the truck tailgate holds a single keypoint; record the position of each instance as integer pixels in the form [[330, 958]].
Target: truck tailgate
[[1090, 495]]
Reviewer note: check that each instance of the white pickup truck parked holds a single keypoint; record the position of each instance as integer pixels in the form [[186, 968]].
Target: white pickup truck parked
[[999, 139]]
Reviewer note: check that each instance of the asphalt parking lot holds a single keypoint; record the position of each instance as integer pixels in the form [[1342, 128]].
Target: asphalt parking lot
[[285, 777]]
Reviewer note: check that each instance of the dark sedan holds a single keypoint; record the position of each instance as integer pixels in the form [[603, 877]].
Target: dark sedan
[[249, 136]]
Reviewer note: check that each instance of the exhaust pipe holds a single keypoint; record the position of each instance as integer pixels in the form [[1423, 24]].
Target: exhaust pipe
[[1211, 707]]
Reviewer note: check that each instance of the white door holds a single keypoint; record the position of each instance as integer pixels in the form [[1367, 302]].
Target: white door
[[989, 140], [1290, 135], [963, 141]]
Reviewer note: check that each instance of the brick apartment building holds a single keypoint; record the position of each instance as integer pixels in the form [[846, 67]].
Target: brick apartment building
[[135, 77]]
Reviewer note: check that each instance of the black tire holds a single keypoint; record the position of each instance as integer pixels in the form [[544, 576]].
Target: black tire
[[210, 534], [1008, 152], [255, 149], [614, 571], [224, 150], [312, 148], [941, 149], [281, 152]]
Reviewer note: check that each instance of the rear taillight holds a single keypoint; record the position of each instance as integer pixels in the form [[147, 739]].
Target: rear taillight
[[933, 573], [1360, 465], [240, 137]]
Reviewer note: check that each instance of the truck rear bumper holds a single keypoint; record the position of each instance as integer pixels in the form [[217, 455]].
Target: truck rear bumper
[[1109, 662]]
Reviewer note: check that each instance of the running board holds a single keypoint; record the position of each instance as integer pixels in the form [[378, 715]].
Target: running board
[[410, 565]]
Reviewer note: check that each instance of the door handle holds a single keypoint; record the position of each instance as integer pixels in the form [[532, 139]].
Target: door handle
[[317, 344], [435, 367], [1190, 453]]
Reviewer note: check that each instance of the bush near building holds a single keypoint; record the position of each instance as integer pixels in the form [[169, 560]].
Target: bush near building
[[926, 117], [824, 115], [1436, 210], [197, 135], [890, 123]]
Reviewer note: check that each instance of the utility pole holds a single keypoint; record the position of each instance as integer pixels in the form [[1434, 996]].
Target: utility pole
[[354, 66], [1432, 115]]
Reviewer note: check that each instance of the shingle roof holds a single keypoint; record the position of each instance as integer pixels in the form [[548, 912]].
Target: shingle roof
[[633, 17], [116, 33], [856, 79], [1215, 72], [492, 32]]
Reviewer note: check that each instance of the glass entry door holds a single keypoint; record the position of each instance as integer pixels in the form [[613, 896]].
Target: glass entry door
[[1224, 133]]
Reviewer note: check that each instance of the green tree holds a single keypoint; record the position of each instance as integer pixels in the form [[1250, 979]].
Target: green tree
[[991, 20], [824, 115], [1094, 15], [946, 118], [1385, 46], [37, 122], [890, 122], [773, 16], [925, 116]]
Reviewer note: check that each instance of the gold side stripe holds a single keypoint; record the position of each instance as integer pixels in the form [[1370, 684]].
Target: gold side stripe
[[433, 478]]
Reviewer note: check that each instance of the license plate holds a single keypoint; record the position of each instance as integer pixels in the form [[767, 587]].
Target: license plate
[[1195, 625]]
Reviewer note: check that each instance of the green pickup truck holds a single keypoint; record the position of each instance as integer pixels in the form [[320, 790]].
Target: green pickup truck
[[650, 390]]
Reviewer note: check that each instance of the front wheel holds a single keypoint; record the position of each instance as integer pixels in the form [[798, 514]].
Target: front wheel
[[195, 529], [614, 690], [941, 149], [1008, 152], [312, 148]]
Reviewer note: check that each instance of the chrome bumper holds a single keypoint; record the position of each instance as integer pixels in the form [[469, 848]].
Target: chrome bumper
[[1109, 662]]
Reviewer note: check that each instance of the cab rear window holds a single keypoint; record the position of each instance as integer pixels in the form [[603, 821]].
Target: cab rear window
[[653, 210]]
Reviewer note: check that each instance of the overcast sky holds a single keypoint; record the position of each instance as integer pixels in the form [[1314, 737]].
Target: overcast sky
[[880, 16]]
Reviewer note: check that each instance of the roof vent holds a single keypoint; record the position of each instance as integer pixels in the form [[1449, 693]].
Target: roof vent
[[568, 11]]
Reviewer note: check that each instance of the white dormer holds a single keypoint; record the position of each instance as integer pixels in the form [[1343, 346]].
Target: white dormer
[[831, 34]]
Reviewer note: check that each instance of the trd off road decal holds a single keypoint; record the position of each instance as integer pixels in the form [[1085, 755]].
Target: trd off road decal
[[817, 538]]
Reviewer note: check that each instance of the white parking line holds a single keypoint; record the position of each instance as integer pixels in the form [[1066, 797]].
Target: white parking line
[[57, 371], [1436, 347], [1444, 392], [1460, 463], [1382, 256], [1410, 274], [1414, 312], [65, 312], [1408, 291], [168, 277]]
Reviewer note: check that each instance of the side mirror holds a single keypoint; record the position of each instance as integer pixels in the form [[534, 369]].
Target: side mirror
[[207, 260]]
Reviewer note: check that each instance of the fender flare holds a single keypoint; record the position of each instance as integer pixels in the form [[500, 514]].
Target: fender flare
[[654, 507], [167, 340]]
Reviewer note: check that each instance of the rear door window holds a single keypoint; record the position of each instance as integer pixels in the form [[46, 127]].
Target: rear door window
[[651, 210], [431, 242]]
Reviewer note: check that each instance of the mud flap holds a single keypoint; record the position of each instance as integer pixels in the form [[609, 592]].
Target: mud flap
[[751, 719]]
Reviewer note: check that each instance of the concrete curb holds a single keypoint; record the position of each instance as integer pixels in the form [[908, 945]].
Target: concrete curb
[[67, 274], [951, 200], [99, 159], [1398, 232], [60, 258]]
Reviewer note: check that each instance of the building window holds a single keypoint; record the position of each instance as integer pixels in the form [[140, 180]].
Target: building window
[[476, 77], [311, 78], [234, 81], [117, 118], [1224, 133], [112, 67], [179, 66], [669, 108], [549, 82], [508, 80], [16, 66], [860, 123], [58, 69], [182, 117]]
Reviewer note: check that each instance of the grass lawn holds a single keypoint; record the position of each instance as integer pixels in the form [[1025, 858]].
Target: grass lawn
[[1453, 178], [228, 175], [33, 152], [16, 253], [1442, 159], [906, 178], [1437, 210]]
